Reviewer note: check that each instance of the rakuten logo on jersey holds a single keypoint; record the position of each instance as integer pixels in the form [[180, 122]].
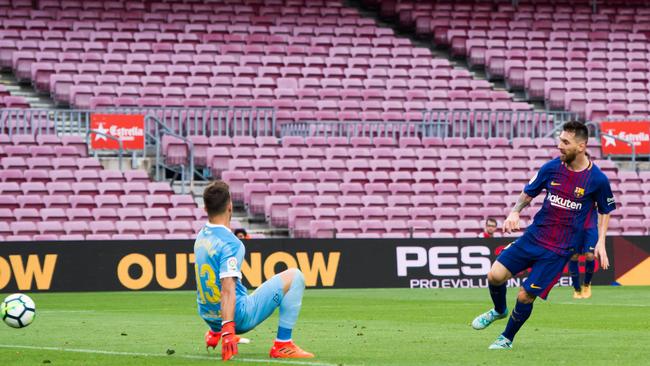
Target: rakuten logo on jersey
[[563, 203]]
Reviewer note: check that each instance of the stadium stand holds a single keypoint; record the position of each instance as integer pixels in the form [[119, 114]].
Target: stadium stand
[[313, 61], [51, 189], [320, 187], [594, 64]]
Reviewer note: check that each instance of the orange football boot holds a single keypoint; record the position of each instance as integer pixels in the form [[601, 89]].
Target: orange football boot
[[288, 350]]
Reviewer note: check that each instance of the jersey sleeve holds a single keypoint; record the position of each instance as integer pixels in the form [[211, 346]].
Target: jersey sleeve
[[537, 182], [605, 197], [231, 260]]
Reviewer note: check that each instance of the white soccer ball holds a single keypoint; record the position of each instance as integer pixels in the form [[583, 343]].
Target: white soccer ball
[[18, 310]]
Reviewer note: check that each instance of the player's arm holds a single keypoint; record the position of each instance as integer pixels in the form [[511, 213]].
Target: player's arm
[[228, 299], [600, 251], [229, 273], [606, 204], [512, 221], [228, 338], [531, 190]]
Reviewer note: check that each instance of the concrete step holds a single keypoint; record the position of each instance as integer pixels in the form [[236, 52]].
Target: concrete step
[[33, 97]]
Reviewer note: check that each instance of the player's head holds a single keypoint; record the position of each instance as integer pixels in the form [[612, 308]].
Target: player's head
[[573, 141], [490, 225], [216, 198], [240, 233]]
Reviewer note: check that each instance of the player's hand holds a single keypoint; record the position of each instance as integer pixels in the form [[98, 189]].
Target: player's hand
[[600, 252], [512, 222], [228, 341]]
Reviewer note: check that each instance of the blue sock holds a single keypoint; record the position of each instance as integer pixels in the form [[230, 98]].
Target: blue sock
[[290, 306], [589, 271], [575, 274], [518, 317], [284, 334], [498, 294]]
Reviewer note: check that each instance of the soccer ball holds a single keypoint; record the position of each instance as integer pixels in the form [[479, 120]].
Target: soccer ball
[[18, 310]]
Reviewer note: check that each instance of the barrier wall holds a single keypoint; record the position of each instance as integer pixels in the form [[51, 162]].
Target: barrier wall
[[354, 263]]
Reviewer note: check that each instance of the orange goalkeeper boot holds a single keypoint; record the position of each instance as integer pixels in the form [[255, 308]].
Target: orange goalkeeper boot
[[288, 350]]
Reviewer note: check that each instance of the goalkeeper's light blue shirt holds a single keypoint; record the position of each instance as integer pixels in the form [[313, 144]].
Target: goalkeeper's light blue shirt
[[218, 254]]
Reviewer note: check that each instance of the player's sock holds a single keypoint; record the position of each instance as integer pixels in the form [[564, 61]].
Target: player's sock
[[575, 274], [290, 306], [498, 294], [589, 271], [284, 334], [518, 317]]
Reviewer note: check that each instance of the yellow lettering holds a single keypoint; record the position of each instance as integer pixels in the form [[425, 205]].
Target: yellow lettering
[[181, 271], [34, 271], [5, 273], [317, 267], [274, 259], [126, 279], [253, 272], [191, 258], [214, 295], [198, 284]]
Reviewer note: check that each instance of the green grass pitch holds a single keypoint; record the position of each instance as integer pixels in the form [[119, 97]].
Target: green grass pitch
[[342, 327]]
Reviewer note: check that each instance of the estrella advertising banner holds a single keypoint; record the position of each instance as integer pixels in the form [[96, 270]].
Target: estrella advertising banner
[[127, 127], [637, 132], [336, 263]]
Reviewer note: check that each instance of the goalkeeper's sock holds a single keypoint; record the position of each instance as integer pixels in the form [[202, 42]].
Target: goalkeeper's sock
[[284, 335], [518, 317], [575, 274], [498, 294], [589, 271], [292, 302]]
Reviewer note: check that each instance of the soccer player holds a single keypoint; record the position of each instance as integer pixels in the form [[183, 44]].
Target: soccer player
[[586, 247], [223, 301], [573, 185]]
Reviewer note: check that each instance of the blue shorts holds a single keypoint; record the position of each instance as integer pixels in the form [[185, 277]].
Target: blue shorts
[[546, 266], [253, 309], [589, 243]]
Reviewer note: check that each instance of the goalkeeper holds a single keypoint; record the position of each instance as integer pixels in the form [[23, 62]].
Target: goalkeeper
[[222, 299]]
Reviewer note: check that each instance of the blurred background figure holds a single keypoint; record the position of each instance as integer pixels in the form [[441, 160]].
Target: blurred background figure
[[241, 234], [490, 228]]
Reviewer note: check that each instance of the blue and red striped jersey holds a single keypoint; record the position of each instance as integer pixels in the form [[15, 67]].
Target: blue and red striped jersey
[[567, 210]]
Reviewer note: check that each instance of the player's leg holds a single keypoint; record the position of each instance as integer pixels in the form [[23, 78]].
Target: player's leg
[[511, 260], [574, 270], [544, 274], [284, 290], [590, 265], [294, 287], [497, 278], [518, 317]]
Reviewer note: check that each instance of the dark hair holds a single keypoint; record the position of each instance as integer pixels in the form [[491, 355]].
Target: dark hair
[[216, 198], [490, 219], [578, 128], [240, 231]]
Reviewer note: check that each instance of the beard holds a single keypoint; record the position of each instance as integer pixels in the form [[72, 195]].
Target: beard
[[568, 157]]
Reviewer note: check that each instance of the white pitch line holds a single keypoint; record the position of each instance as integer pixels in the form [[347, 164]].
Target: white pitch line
[[67, 311], [606, 304], [191, 357]]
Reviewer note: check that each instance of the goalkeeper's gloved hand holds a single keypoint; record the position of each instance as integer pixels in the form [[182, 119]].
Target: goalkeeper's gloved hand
[[228, 340]]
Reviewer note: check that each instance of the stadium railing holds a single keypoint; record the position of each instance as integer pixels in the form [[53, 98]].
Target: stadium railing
[[442, 123], [182, 121]]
